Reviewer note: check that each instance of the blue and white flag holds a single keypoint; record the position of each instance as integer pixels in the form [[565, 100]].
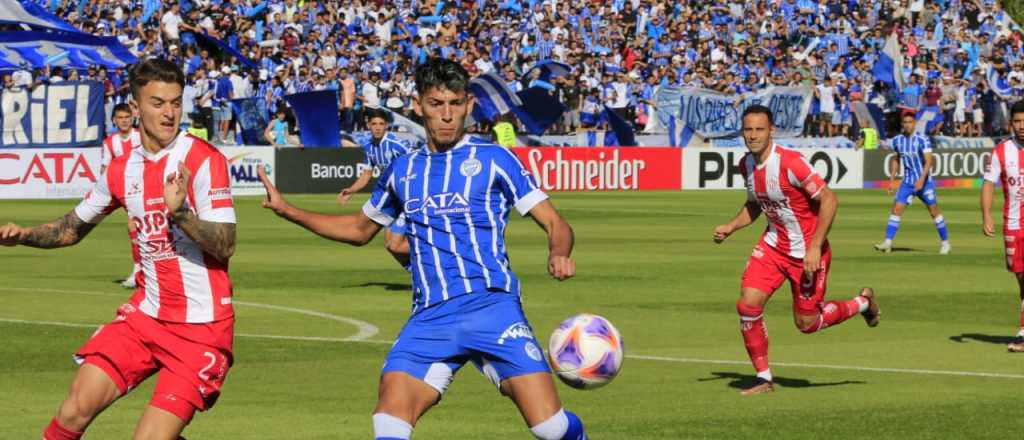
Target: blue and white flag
[[548, 70], [928, 118], [620, 133], [493, 97], [33, 15], [65, 49], [1000, 86], [889, 66], [869, 116]]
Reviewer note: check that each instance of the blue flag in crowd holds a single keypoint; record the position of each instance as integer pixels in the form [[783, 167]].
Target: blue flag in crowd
[[549, 70], [493, 97], [221, 46], [1000, 86], [252, 115], [317, 115], [889, 66], [928, 118], [620, 132], [539, 110], [868, 116]]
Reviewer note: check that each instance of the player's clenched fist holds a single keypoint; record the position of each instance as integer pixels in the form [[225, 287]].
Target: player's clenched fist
[[561, 268], [12, 234], [722, 232], [274, 201], [176, 188]]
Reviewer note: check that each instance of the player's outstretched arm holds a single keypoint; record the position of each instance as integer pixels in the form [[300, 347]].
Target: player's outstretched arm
[[748, 213], [560, 240], [355, 229], [357, 186], [214, 238], [65, 231], [987, 226]]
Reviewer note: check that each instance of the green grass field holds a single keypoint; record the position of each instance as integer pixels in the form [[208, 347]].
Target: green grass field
[[936, 367]]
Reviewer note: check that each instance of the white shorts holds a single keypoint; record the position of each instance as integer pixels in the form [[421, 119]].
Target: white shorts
[[979, 117]]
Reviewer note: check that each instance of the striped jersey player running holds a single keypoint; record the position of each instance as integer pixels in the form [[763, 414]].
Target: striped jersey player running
[[116, 145], [456, 195], [800, 208], [1007, 169], [381, 148], [914, 150], [180, 322]]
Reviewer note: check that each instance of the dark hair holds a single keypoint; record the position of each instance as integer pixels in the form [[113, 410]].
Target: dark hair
[[154, 69], [370, 113], [759, 109], [440, 72], [1017, 107], [122, 107], [908, 114]]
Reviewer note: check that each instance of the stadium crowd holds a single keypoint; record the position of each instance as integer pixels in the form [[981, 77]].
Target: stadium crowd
[[622, 52]]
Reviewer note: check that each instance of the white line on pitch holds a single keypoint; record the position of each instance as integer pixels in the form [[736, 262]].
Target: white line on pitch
[[638, 357]]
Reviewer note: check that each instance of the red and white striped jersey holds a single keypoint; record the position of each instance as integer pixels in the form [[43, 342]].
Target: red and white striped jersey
[[115, 146], [783, 187], [1006, 167], [179, 282]]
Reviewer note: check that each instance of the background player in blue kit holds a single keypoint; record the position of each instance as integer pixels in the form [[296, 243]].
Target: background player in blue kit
[[914, 150], [456, 195], [381, 148]]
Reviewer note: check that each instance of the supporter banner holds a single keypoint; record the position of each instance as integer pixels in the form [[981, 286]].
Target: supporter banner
[[712, 114], [251, 113], [719, 168], [65, 114], [797, 142], [603, 169], [951, 167], [319, 170], [69, 50], [48, 174], [242, 165], [962, 143]]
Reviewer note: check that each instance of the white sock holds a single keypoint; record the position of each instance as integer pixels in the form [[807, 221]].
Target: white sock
[[1021, 333], [553, 428], [766, 375], [887, 241], [387, 425], [862, 303]]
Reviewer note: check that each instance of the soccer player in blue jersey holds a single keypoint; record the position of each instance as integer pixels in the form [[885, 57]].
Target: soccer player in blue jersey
[[914, 150], [456, 196], [382, 148]]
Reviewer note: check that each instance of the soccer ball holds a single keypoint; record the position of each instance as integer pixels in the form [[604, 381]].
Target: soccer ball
[[586, 351]]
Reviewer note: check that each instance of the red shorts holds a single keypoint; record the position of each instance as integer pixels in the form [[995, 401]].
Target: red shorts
[[193, 359], [768, 268], [1013, 241]]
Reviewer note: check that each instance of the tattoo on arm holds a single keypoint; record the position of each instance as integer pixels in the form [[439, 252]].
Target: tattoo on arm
[[65, 231], [216, 239]]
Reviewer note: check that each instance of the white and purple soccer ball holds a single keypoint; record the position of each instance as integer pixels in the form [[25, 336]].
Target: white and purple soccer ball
[[586, 351]]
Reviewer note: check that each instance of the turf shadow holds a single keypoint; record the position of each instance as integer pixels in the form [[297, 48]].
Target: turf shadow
[[744, 381], [991, 339], [386, 286]]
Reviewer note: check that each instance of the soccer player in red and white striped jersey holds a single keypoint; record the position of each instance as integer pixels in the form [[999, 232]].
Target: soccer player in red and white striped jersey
[[1006, 167], [800, 208], [116, 145], [180, 321]]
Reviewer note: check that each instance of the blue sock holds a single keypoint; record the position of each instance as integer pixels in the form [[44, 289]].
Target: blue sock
[[940, 225], [575, 431], [892, 227]]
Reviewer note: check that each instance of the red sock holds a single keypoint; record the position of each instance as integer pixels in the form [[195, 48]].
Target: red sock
[[834, 312], [56, 432], [755, 334]]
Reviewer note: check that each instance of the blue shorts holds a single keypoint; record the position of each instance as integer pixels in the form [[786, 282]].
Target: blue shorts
[[488, 329], [906, 193]]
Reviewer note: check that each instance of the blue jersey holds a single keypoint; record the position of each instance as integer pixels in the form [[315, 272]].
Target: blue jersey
[[911, 150], [382, 154], [456, 207]]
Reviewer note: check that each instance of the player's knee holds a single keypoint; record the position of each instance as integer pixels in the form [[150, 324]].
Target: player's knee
[[806, 323], [561, 426], [77, 411], [746, 309]]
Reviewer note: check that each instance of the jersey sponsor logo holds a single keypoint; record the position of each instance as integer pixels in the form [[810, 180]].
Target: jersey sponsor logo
[[769, 205], [470, 167], [404, 179], [220, 194], [440, 204], [158, 250], [134, 190], [151, 222], [516, 331]]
